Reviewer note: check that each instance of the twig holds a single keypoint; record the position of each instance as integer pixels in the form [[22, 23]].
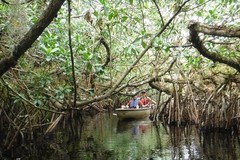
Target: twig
[[159, 12]]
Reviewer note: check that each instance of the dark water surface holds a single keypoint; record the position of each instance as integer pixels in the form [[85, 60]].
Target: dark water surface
[[105, 138]]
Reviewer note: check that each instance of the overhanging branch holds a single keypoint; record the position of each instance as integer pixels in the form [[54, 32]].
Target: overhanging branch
[[195, 28], [30, 37], [215, 30]]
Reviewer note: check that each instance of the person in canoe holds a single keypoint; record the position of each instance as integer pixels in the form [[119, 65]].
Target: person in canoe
[[134, 102], [145, 100]]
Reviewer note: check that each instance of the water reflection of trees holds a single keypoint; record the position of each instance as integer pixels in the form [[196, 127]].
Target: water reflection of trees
[[191, 143], [104, 137], [221, 146], [184, 142]]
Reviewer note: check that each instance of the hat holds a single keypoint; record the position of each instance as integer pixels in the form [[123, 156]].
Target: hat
[[133, 95], [143, 91]]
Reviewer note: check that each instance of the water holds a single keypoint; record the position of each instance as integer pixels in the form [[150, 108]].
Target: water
[[105, 138]]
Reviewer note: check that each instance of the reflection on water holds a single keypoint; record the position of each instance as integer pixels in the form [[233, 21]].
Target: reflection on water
[[135, 127], [106, 138]]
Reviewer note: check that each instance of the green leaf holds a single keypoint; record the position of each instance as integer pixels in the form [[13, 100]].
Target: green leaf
[[48, 58], [131, 2], [89, 66], [62, 21], [143, 32], [124, 18], [144, 45], [110, 16], [211, 12], [199, 13], [166, 48], [102, 2], [133, 50], [86, 55], [54, 50], [95, 13]]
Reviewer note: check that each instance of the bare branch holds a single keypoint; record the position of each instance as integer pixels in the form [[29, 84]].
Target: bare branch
[[72, 56], [159, 12]]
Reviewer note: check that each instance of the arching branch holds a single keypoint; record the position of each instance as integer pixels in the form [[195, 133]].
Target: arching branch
[[161, 88], [108, 57], [215, 30], [195, 28]]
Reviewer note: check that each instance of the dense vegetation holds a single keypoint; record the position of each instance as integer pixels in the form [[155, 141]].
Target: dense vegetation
[[60, 58]]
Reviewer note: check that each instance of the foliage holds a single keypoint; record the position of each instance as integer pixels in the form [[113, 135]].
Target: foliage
[[128, 27]]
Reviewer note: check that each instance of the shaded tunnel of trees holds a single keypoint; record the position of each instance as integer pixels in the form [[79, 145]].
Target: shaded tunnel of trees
[[62, 60]]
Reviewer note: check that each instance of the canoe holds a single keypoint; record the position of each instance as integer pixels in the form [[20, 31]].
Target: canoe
[[127, 113]]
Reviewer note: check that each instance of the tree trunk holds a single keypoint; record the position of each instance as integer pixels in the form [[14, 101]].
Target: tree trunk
[[31, 36]]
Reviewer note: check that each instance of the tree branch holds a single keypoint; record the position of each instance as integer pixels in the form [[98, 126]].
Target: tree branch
[[159, 12], [5, 2], [71, 53], [215, 30], [30, 37], [108, 57], [195, 28]]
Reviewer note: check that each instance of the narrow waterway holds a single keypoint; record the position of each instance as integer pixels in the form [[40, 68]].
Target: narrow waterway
[[103, 137]]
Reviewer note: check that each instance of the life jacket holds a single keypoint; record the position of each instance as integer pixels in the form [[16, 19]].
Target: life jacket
[[145, 100], [133, 103]]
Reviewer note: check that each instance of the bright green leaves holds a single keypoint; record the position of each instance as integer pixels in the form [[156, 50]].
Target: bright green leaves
[[3, 20], [213, 14], [50, 46], [166, 49], [112, 14], [194, 61], [102, 2], [124, 18], [95, 13], [86, 56], [53, 42], [49, 50]]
